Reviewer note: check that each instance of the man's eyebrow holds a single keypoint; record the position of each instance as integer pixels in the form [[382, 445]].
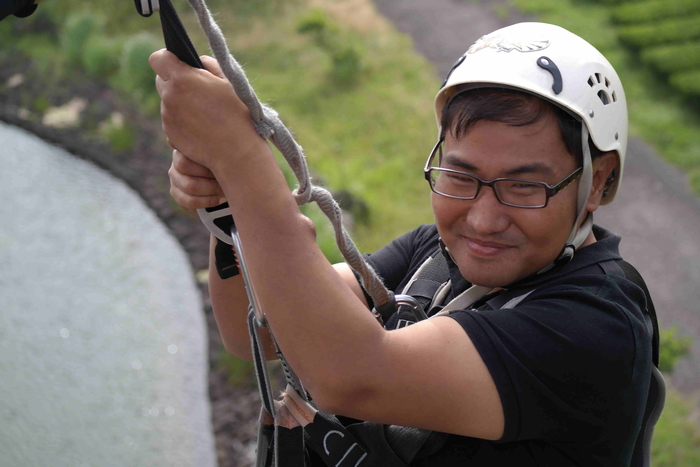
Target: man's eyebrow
[[456, 161], [532, 168]]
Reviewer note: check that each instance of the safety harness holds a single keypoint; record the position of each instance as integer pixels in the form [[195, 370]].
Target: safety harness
[[293, 432]]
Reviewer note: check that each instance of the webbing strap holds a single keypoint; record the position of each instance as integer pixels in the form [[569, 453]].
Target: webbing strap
[[334, 444], [289, 447], [259, 360], [656, 398], [405, 441], [632, 274], [427, 279], [266, 440], [176, 39]]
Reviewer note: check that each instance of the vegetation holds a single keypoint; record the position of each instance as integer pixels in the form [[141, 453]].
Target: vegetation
[[653, 10], [672, 348], [676, 441], [666, 34], [344, 87]]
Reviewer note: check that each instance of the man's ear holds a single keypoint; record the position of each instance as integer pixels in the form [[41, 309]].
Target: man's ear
[[603, 166]]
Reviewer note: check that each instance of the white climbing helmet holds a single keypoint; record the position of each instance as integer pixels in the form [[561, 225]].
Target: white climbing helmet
[[553, 63]]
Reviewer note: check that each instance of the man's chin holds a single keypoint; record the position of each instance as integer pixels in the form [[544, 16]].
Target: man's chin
[[491, 278]]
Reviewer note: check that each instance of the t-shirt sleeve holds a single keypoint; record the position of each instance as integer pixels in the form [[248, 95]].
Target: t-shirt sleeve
[[564, 360]]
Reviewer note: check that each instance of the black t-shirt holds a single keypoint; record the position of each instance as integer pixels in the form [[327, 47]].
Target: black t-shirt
[[571, 362]]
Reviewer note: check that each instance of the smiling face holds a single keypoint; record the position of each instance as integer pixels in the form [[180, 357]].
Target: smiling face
[[495, 245]]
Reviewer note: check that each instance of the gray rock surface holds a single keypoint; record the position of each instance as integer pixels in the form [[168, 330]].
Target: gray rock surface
[[103, 348], [655, 212]]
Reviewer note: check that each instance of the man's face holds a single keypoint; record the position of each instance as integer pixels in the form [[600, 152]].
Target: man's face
[[494, 244]]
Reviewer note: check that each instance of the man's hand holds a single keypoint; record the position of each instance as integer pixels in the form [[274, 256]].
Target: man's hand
[[192, 185], [202, 116]]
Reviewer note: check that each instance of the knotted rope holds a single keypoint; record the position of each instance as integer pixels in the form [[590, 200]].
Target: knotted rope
[[268, 124]]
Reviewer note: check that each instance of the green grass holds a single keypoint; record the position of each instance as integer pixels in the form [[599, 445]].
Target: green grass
[[666, 36], [676, 441], [671, 30], [653, 10]]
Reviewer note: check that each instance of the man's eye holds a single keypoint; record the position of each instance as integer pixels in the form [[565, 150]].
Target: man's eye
[[524, 188], [460, 179]]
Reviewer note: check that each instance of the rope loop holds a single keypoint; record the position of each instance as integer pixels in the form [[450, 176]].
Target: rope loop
[[269, 126]]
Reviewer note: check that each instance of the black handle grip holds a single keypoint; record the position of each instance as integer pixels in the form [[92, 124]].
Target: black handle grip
[[176, 39]]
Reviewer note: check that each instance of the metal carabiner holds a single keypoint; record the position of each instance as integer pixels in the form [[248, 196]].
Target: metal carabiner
[[147, 7], [412, 304]]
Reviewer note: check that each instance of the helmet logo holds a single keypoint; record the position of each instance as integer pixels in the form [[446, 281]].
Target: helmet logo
[[505, 44]]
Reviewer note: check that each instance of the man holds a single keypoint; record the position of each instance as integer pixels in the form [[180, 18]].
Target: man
[[538, 352]]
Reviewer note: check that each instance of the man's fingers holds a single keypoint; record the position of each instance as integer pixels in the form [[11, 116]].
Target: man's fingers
[[165, 63], [212, 66], [192, 203], [195, 186], [187, 166]]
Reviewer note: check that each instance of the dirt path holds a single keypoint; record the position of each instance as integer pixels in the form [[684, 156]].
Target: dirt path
[[654, 212]]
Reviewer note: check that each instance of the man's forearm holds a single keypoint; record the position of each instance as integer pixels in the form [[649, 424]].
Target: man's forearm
[[230, 303]]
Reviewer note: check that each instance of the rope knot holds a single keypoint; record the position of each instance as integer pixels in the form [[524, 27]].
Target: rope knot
[[265, 129]]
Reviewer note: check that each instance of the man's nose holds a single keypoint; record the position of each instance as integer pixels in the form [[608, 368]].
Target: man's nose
[[486, 215]]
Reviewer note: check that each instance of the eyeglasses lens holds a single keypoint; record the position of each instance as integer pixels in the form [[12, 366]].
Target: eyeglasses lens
[[512, 192]]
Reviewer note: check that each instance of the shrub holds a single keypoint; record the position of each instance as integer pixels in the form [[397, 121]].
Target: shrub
[[671, 58], [120, 138], [672, 348], [654, 10], [345, 59], [687, 81], [135, 74], [670, 30], [101, 56], [76, 31]]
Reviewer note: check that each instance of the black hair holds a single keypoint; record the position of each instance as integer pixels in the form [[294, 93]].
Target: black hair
[[512, 107]]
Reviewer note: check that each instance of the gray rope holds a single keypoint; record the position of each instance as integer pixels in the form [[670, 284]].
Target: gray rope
[[268, 124]]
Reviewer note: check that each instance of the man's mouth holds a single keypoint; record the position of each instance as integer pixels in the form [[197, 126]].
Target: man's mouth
[[485, 249]]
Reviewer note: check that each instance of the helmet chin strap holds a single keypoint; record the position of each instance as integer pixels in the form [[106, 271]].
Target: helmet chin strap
[[584, 219]]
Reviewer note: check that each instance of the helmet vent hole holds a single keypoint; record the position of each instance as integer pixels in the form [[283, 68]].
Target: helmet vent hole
[[607, 83], [599, 77], [590, 82], [604, 97], [614, 96]]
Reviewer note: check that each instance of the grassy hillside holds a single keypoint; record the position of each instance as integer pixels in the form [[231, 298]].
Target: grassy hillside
[[353, 91]]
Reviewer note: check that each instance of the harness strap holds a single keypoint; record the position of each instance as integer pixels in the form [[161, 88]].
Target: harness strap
[[632, 274], [407, 442], [333, 443], [259, 360], [266, 440], [656, 398]]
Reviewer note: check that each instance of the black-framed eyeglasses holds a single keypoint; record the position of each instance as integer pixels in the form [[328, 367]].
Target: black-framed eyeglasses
[[514, 192]]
